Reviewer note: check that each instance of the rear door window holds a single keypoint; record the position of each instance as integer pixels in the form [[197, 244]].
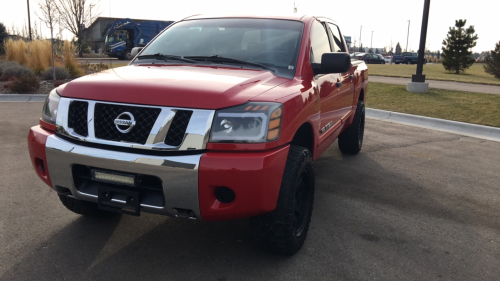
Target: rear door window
[[338, 43]]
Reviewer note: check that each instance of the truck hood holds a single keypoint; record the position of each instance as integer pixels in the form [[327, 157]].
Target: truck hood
[[203, 87]]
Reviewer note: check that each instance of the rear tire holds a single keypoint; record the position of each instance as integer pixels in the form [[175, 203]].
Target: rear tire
[[351, 140], [83, 208], [284, 230]]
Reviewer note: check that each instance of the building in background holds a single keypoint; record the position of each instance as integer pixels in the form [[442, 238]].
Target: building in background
[[348, 42]]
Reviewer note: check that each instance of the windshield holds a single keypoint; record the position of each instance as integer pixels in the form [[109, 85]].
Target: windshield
[[273, 43], [110, 39]]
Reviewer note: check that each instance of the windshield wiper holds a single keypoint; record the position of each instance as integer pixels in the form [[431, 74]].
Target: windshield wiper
[[160, 56], [218, 58]]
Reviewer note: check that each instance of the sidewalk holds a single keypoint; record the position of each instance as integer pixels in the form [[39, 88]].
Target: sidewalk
[[445, 85]]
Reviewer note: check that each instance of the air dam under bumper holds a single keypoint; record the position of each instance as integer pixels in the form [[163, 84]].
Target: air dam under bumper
[[188, 181]]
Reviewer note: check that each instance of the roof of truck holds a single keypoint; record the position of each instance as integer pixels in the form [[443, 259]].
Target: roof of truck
[[283, 17]]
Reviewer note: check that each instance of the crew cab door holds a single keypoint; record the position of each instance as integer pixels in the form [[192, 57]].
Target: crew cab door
[[327, 84], [346, 87]]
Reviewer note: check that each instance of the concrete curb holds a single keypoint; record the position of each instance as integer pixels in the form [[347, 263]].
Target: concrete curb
[[460, 128], [22, 98]]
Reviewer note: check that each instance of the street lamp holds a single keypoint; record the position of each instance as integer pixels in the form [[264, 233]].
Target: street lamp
[[29, 21], [371, 43], [360, 44], [417, 84], [407, 36]]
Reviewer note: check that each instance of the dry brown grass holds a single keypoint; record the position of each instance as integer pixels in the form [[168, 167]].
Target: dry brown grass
[[16, 51], [70, 62], [37, 55], [40, 55]]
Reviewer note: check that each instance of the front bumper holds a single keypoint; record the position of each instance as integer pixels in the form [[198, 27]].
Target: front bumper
[[188, 182]]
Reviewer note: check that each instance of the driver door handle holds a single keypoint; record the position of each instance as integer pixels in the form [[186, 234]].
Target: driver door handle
[[351, 76]]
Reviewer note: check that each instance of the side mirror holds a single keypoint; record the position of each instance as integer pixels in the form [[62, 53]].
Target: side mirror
[[334, 63], [135, 51]]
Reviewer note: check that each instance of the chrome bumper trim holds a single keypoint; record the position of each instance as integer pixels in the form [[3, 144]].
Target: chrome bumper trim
[[179, 174]]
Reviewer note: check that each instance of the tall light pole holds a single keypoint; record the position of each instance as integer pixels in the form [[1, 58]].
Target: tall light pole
[[407, 36], [91, 33], [418, 84], [371, 43], [360, 44], [29, 21]]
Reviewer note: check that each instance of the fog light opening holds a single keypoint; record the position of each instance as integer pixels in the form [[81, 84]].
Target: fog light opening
[[224, 195], [40, 167]]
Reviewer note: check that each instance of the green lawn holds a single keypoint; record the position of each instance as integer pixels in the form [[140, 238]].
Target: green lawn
[[475, 74], [483, 109], [117, 64]]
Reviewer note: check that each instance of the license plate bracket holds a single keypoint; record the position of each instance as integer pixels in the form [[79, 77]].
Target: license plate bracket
[[118, 200]]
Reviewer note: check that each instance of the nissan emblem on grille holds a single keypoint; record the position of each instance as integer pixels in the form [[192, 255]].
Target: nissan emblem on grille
[[125, 125]]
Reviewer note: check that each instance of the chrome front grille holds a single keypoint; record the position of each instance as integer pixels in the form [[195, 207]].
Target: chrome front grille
[[157, 128], [105, 128], [77, 117], [175, 134]]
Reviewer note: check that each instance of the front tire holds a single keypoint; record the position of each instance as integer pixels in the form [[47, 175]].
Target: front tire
[[83, 208], [284, 230], [351, 140]]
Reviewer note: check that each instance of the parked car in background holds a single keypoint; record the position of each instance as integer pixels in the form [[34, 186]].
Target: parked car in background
[[407, 58], [388, 59], [370, 58]]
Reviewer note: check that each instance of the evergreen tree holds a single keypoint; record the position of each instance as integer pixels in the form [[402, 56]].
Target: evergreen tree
[[398, 49], [361, 49], [492, 62], [457, 54], [377, 51], [3, 36]]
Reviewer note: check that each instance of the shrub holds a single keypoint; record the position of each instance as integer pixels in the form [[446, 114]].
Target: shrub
[[16, 71], [16, 51], [40, 55], [24, 84], [61, 73], [5, 64]]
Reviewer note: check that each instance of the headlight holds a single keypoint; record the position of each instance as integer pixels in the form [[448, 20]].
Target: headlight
[[252, 122], [50, 107]]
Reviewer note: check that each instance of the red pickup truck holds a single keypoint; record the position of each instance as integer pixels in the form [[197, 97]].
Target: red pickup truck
[[217, 118]]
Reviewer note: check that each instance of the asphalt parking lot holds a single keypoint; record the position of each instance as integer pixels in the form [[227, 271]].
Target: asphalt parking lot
[[415, 204]]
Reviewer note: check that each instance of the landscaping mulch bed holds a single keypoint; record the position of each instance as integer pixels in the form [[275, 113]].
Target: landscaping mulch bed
[[45, 87]]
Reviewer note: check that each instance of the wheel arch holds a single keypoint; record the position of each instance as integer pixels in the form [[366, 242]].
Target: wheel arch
[[304, 136], [362, 95]]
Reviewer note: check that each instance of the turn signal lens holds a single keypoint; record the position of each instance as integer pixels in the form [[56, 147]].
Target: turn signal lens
[[272, 135], [274, 124], [276, 113]]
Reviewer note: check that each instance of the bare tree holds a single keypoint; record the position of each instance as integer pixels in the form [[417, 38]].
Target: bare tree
[[48, 15], [75, 15]]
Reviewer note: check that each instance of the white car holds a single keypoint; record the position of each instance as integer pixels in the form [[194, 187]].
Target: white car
[[388, 59]]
